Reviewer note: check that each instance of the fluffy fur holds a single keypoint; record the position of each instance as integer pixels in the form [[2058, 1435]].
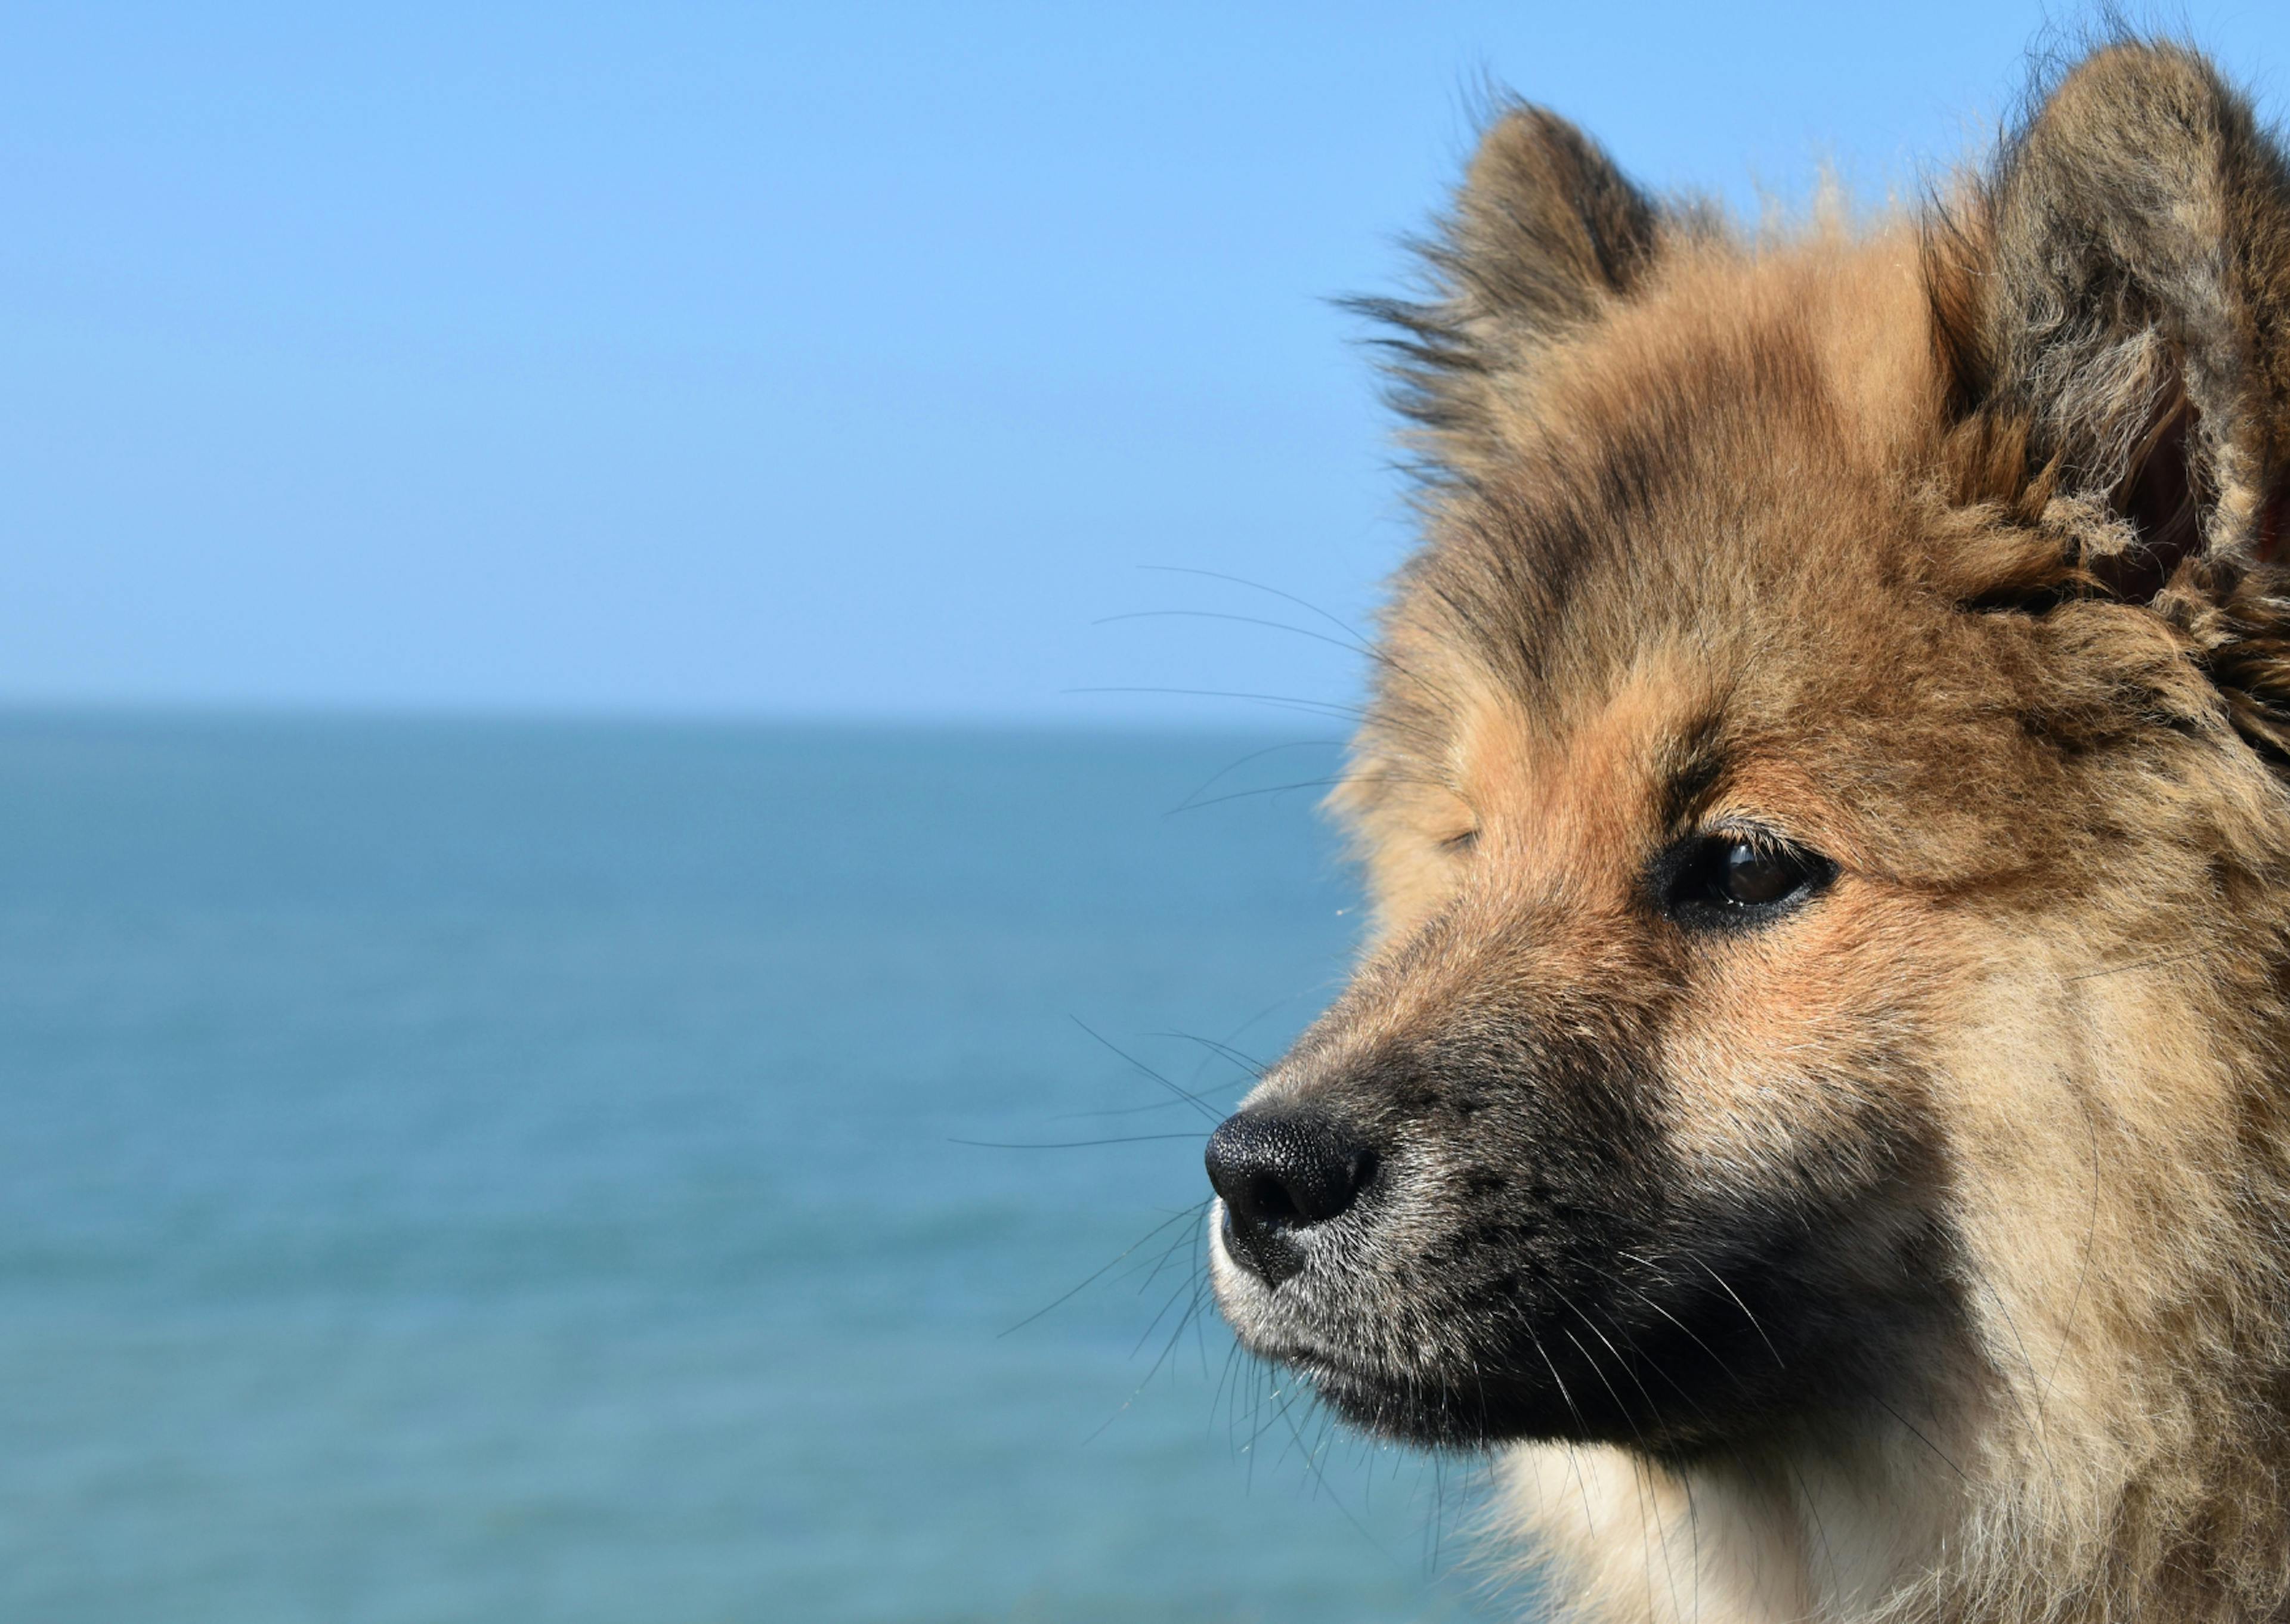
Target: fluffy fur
[[1921, 1250]]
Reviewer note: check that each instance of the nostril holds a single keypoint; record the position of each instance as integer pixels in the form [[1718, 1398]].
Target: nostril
[[1268, 1200]]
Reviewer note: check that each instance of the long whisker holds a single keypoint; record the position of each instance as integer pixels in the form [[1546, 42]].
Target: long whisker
[[1192, 1212], [1190, 1288], [1312, 1464], [1230, 768], [1185, 1243], [1137, 1110], [1069, 1144], [1352, 640], [1918, 1432], [1175, 1337], [1198, 1104], [1380, 777], [1350, 646], [1325, 707], [1812, 1508], [1209, 1055], [1651, 1303], [1650, 1524], [1255, 586], [1744, 1307], [1247, 1063], [1244, 795]]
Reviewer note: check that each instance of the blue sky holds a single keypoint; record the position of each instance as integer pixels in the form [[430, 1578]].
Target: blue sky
[[795, 360]]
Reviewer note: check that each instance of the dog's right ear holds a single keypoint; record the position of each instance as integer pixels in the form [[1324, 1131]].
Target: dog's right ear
[[2108, 309], [1545, 234]]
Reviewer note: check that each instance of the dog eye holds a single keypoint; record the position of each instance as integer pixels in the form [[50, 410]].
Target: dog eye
[[1739, 879]]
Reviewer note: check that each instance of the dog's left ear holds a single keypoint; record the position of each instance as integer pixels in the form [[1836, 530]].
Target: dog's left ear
[[2111, 308]]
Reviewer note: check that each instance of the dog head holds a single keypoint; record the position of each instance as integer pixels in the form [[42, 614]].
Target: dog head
[[1820, 805]]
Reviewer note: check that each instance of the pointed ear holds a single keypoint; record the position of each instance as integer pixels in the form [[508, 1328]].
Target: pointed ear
[[1544, 235], [2112, 306]]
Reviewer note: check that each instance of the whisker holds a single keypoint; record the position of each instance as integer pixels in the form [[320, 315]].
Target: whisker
[[1650, 1525], [1343, 625], [1744, 1307], [1243, 795], [2037, 1430], [1209, 1055], [1070, 1144], [1320, 1477], [1271, 749], [1234, 1353], [1185, 1242], [1652, 1303], [1383, 719], [1191, 1287], [1820, 1526], [1120, 1409], [1628, 1368], [1140, 1110], [1198, 1104], [1191, 1213], [1352, 640], [1351, 646], [1247, 1063], [1325, 707], [1308, 783], [1918, 1432]]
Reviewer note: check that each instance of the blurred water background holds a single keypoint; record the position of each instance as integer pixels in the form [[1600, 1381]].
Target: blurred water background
[[488, 1170]]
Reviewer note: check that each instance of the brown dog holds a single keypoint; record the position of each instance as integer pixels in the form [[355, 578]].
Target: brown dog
[[1818, 1098]]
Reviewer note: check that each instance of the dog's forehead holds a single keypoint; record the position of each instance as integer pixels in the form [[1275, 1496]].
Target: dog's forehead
[[1721, 550], [1725, 463]]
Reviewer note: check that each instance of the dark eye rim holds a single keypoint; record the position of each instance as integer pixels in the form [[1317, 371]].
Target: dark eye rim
[[1683, 880]]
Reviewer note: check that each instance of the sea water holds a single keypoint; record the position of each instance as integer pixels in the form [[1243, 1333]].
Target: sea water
[[490, 1171]]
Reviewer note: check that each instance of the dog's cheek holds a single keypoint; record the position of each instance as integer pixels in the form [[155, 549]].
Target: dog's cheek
[[1806, 1054], [1804, 1114]]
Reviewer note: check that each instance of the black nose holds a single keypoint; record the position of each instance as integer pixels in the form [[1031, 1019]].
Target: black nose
[[1280, 1171]]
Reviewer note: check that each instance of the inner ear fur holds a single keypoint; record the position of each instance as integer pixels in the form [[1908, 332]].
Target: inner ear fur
[[2109, 305], [1545, 232]]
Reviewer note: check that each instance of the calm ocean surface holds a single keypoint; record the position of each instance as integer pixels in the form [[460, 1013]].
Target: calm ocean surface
[[491, 1171]]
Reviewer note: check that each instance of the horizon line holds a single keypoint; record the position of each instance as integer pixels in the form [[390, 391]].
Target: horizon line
[[16, 709]]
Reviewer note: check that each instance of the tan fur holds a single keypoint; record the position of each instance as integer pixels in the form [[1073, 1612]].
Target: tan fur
[[1950, 541]]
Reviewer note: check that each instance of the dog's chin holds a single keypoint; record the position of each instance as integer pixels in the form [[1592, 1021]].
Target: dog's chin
[[1469, 1416]]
